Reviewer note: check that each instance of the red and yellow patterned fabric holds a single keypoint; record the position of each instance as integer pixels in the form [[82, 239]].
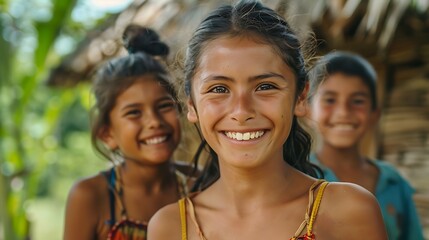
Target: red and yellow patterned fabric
[[126, 228]]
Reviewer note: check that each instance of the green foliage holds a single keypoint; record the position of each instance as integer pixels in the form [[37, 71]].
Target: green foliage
[[42, 149], [48, 31], [2, 5]]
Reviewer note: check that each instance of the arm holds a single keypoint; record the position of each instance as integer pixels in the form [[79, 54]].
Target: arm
[[81, 212], [353, 213], [165, 224]]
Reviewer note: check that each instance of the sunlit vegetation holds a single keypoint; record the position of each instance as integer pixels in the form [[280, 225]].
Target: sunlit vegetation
[[44, 141]]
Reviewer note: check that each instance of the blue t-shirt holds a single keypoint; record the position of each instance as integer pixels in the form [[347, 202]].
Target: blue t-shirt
[[394, 195]]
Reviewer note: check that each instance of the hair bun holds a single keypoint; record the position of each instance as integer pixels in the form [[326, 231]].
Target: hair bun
[[142, 39]]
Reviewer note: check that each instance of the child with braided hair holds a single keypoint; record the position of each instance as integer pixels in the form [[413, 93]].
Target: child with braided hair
[[135, 120]]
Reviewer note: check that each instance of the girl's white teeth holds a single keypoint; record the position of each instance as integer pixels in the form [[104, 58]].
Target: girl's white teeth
[[343, 127], [155, 140], [244, 136]]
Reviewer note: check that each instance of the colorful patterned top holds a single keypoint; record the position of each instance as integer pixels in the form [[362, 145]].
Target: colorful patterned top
[[126, 228], [394, 195], [186, 204]]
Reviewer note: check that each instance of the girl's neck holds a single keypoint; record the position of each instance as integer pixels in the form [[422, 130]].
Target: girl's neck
[[340, 158], [248, 189], [151, 178]]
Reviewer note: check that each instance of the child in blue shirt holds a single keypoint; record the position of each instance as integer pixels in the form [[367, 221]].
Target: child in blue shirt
[[343, 107]]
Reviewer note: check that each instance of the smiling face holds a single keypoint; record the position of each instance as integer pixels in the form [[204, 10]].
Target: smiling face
[[144, 123], [244, 99], [342, 110]]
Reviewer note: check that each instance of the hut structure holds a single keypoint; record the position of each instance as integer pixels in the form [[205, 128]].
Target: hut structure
[[392, 34]]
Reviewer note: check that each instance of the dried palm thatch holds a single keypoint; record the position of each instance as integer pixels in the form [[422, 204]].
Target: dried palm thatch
[[368, 27]]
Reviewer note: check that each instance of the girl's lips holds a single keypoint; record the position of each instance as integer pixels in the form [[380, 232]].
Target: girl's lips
[[244, 136]]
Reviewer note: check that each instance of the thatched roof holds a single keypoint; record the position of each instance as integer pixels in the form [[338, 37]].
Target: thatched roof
[[374, 27]]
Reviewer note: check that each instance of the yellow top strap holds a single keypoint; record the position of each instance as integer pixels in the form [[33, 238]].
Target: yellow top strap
[[185, 204], [182, 182], [315, 208], [182, 208], [309, 219], [194, 218]]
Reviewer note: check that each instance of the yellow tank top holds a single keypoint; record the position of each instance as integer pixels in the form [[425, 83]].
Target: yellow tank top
[[310, 215]]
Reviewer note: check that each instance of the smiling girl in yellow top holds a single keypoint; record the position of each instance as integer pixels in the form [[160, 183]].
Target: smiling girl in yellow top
[[247, 86]]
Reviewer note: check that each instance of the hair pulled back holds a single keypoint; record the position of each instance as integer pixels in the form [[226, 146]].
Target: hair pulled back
[[250, 18], [144, 50]]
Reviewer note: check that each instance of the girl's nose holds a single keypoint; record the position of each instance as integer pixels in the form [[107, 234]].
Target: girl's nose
[[152, 119], [342, 109], [242, 108]]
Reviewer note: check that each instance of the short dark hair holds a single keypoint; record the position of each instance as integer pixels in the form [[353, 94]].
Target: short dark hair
[[348, 63]]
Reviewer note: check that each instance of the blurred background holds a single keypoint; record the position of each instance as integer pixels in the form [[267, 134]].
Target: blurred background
[[50, 48]]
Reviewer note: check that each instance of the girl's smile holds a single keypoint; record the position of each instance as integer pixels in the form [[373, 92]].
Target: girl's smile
[[144, 123], [155, 140], [247, 92], [342, 110], [244, 136]]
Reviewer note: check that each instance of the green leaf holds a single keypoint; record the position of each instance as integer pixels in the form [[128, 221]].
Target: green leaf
[[48, 31]]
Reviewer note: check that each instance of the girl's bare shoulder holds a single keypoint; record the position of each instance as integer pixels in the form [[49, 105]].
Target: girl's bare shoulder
[[87, 207], [349, 193], [166, 223], [348, 209], [90, 190], [348, 199]]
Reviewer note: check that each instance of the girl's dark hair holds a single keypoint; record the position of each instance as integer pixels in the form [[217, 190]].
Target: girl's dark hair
[[348, 63], [117, 75], [251, 18]]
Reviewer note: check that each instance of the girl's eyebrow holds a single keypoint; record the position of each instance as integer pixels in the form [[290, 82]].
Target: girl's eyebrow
[[251, 79], [216, 77], [134, 105], [267, 75], [363, 94], [329, 92], [131, 105], [360, 93]]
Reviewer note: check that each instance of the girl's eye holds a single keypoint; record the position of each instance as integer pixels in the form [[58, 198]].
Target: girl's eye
[[219, 89], [133, 113], [265, 86], [329, 100], [358, 101], [166, 106]]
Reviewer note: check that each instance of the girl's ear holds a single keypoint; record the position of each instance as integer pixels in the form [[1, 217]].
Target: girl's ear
[[301, 105], [192, 113], [106, 136]]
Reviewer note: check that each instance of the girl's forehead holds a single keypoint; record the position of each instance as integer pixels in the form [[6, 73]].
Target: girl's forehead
[[240, 41], [342, 83], [242, 38], [226, 46], [240, 60]]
